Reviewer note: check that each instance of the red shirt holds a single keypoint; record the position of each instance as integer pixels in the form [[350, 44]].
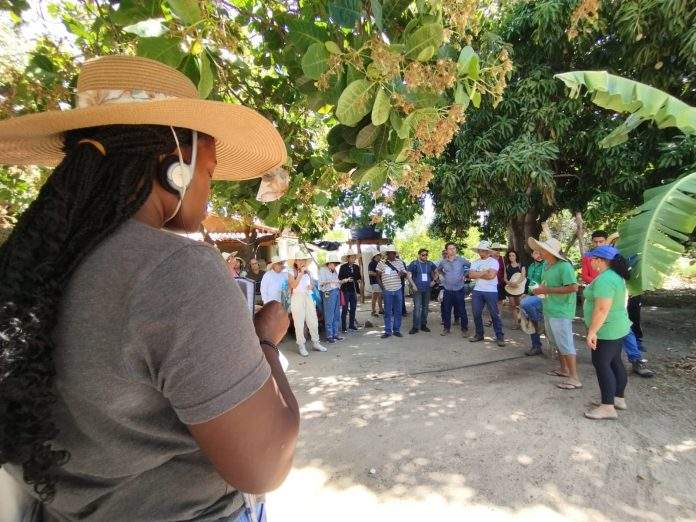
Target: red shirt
[[587, 274]]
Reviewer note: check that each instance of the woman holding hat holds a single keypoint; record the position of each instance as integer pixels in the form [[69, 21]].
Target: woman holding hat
[[606, 318], [273, 281], [302, 305], [235, 264], [375, 284], [130, 368], [512, 284], [330, 288]]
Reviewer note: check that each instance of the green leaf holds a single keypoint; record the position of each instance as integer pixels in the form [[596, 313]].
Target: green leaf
[[377, 14], [381, 108], [363, 157], [640, 100], [147, 28], [355, 102], [657, 232], [345, 13], [460, 96], [205, 83], [353, 74], [381, 144], [187, 10], [315, 61], [303, 33], [332, 47], [162, 48], [398, 124], [367, 136], [426, 54], [375, 177], [429, 35], [468, 63], [476, 99], [190, 66], [133, 11]]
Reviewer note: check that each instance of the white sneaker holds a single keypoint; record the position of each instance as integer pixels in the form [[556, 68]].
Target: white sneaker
[[319, 348], [303, 351]]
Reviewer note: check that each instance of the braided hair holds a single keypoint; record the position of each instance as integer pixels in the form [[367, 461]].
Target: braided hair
[[86, 198]]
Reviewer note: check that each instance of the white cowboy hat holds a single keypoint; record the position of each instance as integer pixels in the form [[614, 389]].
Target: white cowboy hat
[[299, 253], [333, 257], [227, 255], [551, 245], [277, 259], [516, 284], [128, 90], [344, 257], [484, 245], [390, 248]]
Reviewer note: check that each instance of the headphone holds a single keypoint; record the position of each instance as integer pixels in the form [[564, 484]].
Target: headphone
[[175, 175]]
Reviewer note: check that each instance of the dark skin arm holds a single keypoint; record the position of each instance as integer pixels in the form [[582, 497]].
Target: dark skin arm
[[252, 445]]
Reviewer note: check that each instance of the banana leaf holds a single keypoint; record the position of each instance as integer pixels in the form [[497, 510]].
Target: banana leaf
[[657, 231], [642, 101]]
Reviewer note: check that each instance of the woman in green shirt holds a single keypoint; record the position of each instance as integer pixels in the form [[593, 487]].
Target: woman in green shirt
[[605, 315]]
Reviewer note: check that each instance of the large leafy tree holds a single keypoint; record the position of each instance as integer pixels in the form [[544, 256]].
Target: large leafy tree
[[538, 151], [391, 79]]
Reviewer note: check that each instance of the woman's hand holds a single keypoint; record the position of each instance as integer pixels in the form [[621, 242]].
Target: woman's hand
[[592, 340], [272, 322]]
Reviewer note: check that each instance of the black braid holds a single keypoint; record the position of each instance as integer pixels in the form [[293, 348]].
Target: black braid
[[86, 198]]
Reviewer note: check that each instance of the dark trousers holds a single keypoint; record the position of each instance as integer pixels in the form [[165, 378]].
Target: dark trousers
[[489, 300], [633, 308], [454, 299], [611, 373], [351, 305], [403, 298], [421, 300]]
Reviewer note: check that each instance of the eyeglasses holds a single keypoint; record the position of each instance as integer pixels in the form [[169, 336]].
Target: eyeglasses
[[424, 254]]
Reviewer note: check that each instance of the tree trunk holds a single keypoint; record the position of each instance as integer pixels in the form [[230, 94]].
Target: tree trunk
[[520, 229], [580, 232]]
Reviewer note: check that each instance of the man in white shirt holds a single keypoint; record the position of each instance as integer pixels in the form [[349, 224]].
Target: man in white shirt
[[485, 272], [273, 281]]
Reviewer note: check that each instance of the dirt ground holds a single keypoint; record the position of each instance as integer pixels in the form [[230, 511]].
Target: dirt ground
[[428, 428]]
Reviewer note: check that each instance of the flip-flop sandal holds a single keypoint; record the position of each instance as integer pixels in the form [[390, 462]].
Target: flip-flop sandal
[[556, 373], [568, 386]]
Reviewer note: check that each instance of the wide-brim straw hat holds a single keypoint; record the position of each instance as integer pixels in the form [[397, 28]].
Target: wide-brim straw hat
[[551, 245], [376, 254], [127, 90], [298, 254], [390, 248], [277, 259], [227, 255], [484, 245], [516, 284], [613, 238], [344, 257], [333, 257]]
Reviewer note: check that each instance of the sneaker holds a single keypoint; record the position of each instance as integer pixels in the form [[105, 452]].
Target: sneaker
[[413, 331], [500, 342], [475, 338], [444, 332], [397, 334], [339, 338], [303, 350], [385, 335], [535, 350], [425, 329], [641, 368], [332, 340], [354, 328], [319, 348], [343, 330]]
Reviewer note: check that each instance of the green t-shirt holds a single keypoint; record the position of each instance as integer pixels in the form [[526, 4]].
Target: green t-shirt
[[559, 306], [608, 284]]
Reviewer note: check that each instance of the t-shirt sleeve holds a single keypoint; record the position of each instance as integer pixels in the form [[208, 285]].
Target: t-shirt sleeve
[[568, 276], [194, 336]]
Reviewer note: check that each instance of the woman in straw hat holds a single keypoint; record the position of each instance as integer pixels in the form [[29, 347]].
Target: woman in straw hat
[[330, 286], [129, 366], [302, 305], [273, 281]]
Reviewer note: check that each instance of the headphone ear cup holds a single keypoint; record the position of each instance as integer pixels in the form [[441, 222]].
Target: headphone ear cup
[[163, 174]]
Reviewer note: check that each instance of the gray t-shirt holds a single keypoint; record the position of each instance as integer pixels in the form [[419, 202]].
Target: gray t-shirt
[[152, 334], [454, 272]]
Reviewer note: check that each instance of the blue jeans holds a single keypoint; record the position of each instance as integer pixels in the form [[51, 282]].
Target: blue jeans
[[632, 347], [392, 310], [332, 311], [421, 300], [533, 307], [450, 299], [490, 300], [351, 305]]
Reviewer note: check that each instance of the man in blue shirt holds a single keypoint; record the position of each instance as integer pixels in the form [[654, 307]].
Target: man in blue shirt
[[423, 275], [453, 271]]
